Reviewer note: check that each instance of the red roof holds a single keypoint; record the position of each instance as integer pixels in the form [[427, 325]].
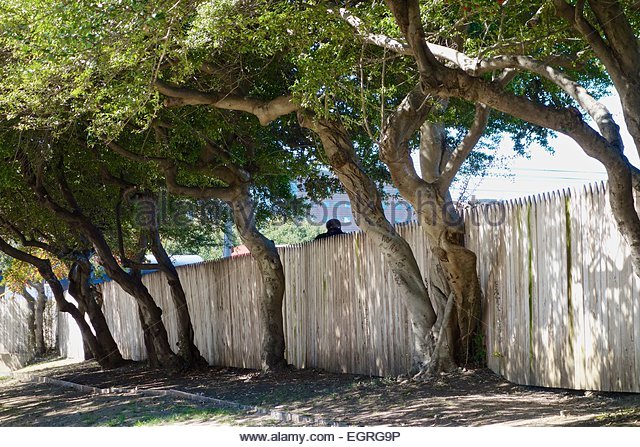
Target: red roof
[[239, 250]]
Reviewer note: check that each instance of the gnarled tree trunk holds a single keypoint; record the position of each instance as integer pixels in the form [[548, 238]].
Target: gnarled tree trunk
[[453, 274], [369, 216], [31, 319], [266, 255], [41, 303], [187, 349], [86, 295]]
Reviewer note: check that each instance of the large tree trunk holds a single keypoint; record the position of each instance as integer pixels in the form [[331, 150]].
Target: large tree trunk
[[266, 255], [87, 353], [86, 295], [453, 274], [152, 357], [455, 267], [369, 216], [187, 349], [136, 274]]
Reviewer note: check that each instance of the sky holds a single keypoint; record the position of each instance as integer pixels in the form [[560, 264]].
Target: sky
[[568, 167]]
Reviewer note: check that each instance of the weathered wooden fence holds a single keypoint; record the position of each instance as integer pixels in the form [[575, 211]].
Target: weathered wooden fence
[[16, 347], [14, 331], [342, 311], [561, 305]]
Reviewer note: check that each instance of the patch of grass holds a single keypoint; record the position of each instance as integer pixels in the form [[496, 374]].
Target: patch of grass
[[4, 378], [170, 415], [183, 414], [624, 417]]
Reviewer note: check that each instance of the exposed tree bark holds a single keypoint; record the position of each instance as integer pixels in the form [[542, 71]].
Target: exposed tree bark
[[31, 319], [266, 255], [369, 216], [187, 349], [41, 303], [618, 50], [86, 295], [262, 250], [455, 273], [264, 111], [136, 273]]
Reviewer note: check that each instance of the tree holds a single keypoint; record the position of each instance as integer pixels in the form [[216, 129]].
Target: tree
[[446, 72], [53, 171], [238, 166]]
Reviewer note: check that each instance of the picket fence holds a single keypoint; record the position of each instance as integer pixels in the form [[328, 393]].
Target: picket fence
[[14, 331], [561, 304], [561, 301], [16, 347]]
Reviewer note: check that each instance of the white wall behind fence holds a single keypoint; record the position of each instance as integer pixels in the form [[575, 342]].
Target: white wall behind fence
[[560, 308]]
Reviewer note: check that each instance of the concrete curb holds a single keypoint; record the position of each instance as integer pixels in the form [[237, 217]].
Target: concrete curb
[[284, 416]]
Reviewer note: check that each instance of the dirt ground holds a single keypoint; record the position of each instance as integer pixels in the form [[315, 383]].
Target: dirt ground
[[466, 398]]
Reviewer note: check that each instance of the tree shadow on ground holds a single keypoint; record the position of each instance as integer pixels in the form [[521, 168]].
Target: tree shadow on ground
[[465, 398], [33, 404]]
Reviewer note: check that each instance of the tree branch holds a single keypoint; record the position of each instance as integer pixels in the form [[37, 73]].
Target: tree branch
[[575, 17], [265, 111], [465, 147], [400, 126], [620, 35], [226, 193]]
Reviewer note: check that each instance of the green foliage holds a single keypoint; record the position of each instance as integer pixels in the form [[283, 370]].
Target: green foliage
[[289, 233], [61, 56], [193, 226], [85, 71]]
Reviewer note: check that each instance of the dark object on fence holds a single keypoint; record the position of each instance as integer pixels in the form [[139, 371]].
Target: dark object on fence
[[334, 228]]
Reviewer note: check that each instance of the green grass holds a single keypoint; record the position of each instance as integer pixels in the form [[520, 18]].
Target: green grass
[[183, 414], [4, 378], [172, 415], [626, 416]]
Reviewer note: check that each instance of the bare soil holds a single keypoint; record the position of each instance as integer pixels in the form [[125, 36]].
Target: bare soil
[[465, 398]]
